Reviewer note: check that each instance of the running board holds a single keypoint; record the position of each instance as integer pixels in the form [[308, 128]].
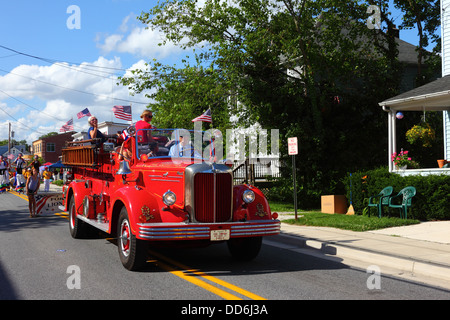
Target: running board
[[103, 226]]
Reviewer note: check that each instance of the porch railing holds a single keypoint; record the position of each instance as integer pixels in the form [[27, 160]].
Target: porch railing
[[260, 170]]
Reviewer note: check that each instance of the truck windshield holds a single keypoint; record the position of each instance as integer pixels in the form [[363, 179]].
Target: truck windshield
[[176, 143]]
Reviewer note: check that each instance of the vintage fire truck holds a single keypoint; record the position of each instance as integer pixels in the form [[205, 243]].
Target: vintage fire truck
[[143, 194]]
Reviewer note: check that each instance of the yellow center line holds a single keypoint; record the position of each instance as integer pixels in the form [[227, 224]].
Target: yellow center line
[[23, 196], [188, 273], [222, 283], [62, 214], [198, 282]]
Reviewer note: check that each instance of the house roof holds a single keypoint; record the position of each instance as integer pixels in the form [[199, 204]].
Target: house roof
[[407, 52], [433, 96], [14, 149]]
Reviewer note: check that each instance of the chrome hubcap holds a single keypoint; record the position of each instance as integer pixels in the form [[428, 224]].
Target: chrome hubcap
[[125, 238]]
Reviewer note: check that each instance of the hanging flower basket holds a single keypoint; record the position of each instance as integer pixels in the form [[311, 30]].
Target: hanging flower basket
[[421, 133]]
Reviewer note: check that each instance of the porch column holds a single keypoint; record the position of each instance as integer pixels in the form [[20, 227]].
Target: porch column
[[392, 138], [446, 126]]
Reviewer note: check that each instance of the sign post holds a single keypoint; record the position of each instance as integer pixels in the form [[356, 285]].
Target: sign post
[[293, 151]]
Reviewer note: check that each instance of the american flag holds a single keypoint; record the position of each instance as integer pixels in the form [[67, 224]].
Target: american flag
[[206, 117], [84, 113], [122, 112], [125, 135], [67, 127]]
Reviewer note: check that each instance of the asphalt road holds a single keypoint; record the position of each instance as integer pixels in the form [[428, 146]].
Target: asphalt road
[[40, 260]]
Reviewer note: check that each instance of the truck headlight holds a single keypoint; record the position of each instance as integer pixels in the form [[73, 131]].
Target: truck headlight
[[169, 198], [248, 196]]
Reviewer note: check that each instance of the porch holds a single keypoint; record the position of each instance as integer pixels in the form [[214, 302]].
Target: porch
[[434, 96], [422, 172]]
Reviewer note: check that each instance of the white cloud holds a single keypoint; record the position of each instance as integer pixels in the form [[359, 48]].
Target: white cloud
[[140, 41], [45, 97]]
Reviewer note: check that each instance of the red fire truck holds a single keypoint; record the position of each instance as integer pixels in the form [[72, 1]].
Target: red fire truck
[[145, 194]]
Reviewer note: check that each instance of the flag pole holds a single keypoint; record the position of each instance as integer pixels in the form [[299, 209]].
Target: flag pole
[[131, 110]]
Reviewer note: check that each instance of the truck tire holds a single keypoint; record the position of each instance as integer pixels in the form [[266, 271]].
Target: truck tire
[[78, 229], [132, 251], [244, 249]]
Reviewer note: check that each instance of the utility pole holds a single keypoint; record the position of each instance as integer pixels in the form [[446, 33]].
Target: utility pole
[[9, 142]]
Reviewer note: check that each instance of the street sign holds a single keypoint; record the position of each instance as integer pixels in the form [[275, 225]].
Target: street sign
[[292, 146], [293, 151]]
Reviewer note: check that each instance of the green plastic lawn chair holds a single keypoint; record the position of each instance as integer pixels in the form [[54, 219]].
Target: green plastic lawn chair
[[380, 200], [406, 195]]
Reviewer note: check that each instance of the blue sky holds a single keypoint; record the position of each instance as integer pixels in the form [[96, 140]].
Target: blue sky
[[110, 38]]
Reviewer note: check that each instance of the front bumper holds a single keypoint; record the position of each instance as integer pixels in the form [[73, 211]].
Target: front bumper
[[202, 231]]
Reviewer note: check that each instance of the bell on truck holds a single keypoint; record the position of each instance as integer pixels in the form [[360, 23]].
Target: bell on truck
[[124, 167]]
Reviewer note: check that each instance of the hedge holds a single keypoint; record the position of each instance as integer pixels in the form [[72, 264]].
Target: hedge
[[432, 200]]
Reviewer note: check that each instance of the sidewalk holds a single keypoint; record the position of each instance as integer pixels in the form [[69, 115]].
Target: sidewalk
[[418, 250], [53, 188]]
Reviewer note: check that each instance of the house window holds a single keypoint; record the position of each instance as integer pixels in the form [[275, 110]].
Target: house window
[[50, 147]]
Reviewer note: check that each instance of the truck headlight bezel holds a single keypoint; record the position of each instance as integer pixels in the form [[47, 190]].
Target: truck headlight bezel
[[169, 198], [248, 196]]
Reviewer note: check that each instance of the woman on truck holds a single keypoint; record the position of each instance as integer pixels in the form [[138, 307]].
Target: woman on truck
[[144, 136], [93, 131]]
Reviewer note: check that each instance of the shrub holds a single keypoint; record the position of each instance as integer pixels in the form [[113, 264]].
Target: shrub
[[431, 200]]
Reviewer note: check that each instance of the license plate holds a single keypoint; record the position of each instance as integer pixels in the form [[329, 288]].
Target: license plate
[[219, 235]]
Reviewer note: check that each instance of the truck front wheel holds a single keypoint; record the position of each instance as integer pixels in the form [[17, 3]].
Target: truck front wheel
[[78, 229], [244, 248], [132, 251]]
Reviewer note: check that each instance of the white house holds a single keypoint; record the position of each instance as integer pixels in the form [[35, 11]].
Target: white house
[[105, 127], [15, 150], [434, 96]]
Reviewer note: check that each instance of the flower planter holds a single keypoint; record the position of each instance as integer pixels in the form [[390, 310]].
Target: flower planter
[[441, 162]]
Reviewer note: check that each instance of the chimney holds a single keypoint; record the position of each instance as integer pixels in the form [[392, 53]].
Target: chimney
[[394, 31]]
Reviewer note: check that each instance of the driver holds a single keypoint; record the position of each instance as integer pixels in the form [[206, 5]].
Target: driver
[[183, 148]]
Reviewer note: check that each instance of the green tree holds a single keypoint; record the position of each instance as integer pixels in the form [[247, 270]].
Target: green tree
[[425, 16], [309, 68], [13, 142], [50, 134]]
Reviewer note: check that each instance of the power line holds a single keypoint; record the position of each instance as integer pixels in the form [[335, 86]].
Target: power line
[[30, 106], [104, 73], [32, 129], [52, 61], [66, 64], [71, 89]]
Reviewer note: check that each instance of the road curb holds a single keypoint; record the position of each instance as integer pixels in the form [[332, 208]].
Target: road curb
[[398, 264]]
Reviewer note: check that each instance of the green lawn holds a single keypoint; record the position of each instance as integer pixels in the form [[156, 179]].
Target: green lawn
[[341, 221]]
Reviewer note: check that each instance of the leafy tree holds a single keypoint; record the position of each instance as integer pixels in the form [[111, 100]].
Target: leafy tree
[[50, 134], [13, 142], [425, 16], [312, 69]]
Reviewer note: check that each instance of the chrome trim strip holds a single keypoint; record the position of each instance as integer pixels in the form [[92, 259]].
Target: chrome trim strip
[[183, 231]]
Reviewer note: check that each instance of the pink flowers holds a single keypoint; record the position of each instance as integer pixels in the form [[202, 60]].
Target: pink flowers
[[402, 159]]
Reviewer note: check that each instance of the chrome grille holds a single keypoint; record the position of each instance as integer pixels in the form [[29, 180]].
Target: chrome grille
[[209, 192], [212, 197]]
